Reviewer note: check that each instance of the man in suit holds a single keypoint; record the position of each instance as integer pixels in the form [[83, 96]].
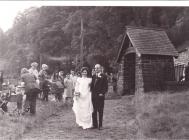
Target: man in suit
[[99, 87]]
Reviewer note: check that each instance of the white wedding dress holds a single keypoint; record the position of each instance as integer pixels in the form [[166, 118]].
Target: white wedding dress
[[82, 105]]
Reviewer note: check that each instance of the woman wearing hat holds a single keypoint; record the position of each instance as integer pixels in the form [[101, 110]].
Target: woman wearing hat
[[33, 70]]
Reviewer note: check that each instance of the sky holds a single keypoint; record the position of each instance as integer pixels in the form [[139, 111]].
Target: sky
[[8, 12], [9, 9]]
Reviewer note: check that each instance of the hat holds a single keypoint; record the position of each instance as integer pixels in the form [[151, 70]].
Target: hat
[[34, 64], [24, 70], [44, 66], [4, 84]]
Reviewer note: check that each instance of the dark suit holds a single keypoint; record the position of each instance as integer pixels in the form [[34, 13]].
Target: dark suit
[[99, 86]]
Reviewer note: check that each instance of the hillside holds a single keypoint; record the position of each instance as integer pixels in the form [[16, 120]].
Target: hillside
[[164, 115], [52, 34]]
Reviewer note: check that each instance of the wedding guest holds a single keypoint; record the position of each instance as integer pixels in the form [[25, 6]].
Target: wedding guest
[[44, 83], [73, 77], [33, 70], [93, 72], [68, 90], [1, 80], [31, 89], [60, 85]]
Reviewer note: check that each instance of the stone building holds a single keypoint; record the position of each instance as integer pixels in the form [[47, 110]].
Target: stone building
[[146, 60]]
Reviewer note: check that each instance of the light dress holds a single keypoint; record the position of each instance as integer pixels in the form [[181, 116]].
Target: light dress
[[82, 105], [68, 91]]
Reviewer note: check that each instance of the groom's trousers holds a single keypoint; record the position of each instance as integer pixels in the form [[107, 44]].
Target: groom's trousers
[[98, 108]]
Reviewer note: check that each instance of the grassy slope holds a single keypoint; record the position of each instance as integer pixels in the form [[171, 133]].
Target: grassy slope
[[13, 127], [164, 115]]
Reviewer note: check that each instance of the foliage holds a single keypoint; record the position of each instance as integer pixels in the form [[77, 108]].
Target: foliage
[[55, 31]]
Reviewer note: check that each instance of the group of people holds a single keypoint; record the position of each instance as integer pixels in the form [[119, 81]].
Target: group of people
[[89, 96], [86, 92], [34, 83], [40, 84]]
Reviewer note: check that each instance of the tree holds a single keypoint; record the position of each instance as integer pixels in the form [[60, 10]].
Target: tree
[[55, 32]]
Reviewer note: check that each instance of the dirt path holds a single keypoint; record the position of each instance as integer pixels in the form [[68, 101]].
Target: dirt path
[[62, 124]]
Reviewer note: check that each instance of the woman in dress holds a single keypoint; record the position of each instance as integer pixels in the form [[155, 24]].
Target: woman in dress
[[43, 82], [68, 91], [82, 105], [33, 70], [60, 86]]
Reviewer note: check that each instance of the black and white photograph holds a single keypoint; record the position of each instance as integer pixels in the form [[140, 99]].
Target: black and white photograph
[[104, 70]]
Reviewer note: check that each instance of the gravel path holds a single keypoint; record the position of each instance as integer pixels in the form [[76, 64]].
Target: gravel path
[[62, 125]]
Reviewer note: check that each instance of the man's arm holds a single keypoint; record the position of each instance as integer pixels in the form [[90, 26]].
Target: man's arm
[[104, 86], [92, 83]]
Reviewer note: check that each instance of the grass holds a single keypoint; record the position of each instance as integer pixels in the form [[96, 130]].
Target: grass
[[14, 126], [159, 115], [164, 115]]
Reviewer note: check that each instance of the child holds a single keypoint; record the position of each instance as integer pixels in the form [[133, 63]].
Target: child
[[4, 97]]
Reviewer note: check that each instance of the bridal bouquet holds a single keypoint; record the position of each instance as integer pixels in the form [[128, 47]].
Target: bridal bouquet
[[77, 94]]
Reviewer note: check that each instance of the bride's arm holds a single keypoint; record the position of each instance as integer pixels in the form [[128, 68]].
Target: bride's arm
[[77, 86]]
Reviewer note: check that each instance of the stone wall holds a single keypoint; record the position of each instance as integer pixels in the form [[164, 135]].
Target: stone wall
[[145, 73], [120, 82], [156, 70], [139, 85]]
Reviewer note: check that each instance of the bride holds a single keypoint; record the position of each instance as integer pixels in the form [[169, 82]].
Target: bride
[[82, 105]]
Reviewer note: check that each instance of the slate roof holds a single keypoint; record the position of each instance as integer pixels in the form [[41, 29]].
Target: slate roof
[[148, 41]]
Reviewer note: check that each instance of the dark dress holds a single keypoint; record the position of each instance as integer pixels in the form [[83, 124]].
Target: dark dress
[[44, 84], [1, 80]]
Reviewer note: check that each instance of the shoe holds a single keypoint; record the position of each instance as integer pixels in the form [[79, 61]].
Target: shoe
[[100, 128]]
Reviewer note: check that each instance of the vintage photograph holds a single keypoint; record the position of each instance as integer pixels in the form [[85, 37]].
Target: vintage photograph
[[94, 72]]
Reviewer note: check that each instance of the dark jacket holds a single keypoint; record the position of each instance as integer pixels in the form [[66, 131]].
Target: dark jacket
[[99, 85], [29, 80]]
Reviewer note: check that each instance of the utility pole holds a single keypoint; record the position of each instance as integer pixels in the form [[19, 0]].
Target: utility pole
[[40, 61], [81, 44]]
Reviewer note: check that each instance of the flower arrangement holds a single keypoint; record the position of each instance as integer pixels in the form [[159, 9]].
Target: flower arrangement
[[77, 95], [99, 75]]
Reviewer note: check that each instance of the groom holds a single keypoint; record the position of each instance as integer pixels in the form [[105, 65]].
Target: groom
[[99, 87]]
